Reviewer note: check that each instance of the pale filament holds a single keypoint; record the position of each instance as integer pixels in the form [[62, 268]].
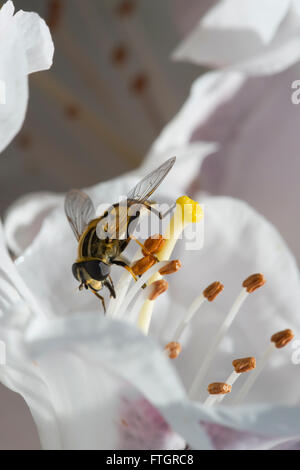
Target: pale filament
[[196, 385], [254, 376]]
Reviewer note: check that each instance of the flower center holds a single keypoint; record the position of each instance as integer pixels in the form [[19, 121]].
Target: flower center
[[135, 304]]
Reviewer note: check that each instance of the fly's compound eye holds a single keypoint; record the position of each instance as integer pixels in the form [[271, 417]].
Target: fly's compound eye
[[97, 270], [104, 269], [75, 271]]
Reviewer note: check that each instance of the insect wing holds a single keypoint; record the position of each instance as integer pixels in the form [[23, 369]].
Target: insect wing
[[114, 224], [79, 210], [143, 190]]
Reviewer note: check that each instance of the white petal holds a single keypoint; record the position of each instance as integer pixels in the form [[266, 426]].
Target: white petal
[[256, 37], [252, 427], [21, 52], [207, 93], [24, 219], [36, 39], [92, 379]]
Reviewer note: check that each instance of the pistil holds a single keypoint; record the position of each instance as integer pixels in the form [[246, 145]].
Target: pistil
[[187, 211]]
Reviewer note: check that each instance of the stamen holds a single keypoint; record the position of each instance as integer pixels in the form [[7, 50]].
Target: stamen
[[278, 340], [210, 293], [173, 349], [143, 264], [158, 287], [253, 282], [241, 366], [244, 365], [154, 244], [170, 268], [213, 290], [282, 338], [151, 293], [138, 284], [215, 390], [250, 282], [187, 211], [121, 289]]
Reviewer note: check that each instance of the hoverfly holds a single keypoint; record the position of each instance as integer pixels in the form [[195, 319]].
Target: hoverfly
[[102, 240]]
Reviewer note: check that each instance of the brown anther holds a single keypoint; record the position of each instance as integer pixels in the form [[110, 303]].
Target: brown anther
[[119, 55], [24, 141], [253, 282], [170, 268], [143, 264], [72, 111], [173, 349], [214, 289], [158, 287], [139, 83], [54, 14], [217, 388], [126, 8], [244, 365], [282, 338], [154, 244]]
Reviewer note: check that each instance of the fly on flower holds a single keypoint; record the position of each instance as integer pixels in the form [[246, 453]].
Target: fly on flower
[[102, 240]]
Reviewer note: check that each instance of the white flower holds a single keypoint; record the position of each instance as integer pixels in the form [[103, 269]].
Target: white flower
[[25, 47], [252, 118], [256, 37], [92, 382]]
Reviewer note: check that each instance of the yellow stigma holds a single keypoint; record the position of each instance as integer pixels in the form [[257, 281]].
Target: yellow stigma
[[191, 210], [187, 211]]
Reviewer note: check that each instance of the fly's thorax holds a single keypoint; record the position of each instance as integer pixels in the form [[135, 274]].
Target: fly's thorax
[[90, 246]]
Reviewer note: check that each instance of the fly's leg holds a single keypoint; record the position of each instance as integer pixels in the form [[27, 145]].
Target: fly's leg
[[126, 266], [159, 214], [109, 284], [101, 298], [111, 281]]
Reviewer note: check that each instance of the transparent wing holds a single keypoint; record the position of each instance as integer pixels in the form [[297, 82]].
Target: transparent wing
[[79, 210], [143, 190], [114, 224]]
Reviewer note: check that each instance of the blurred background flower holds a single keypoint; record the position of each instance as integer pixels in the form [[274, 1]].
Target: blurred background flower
[[110, 91]]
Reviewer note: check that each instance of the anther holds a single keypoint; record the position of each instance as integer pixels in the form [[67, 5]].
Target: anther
[[154, 244], [170, 268], [244, 365], [173, 349], [217, 388], [143, 264], [213, 290], [241, 366], [278, 340], [282, 338], [158, 287], [253, 282]]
